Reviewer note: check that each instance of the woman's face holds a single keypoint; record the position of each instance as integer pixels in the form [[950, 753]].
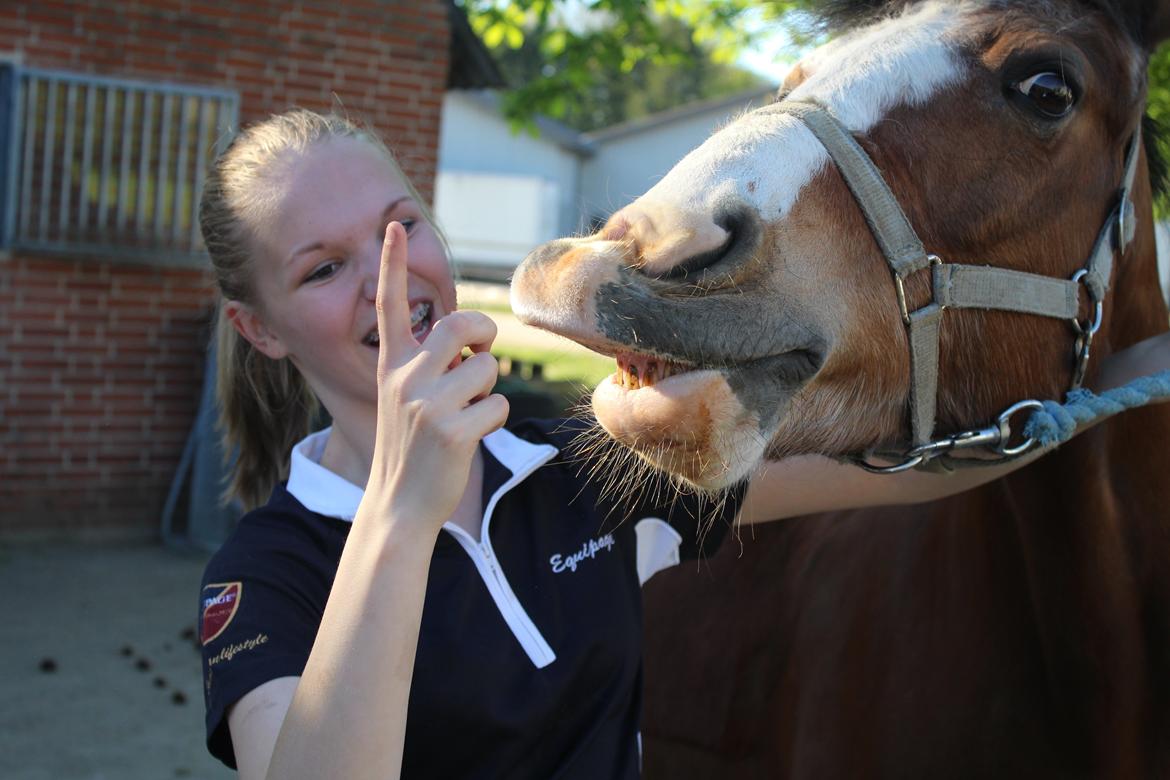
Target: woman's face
[[316, 268]]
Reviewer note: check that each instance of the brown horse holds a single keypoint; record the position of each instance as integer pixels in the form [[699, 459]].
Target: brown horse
[[1019, 630]]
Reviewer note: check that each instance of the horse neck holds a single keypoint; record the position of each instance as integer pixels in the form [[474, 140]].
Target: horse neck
[[1093, 524]]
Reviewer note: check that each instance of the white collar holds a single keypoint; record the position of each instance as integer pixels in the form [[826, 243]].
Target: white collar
[[326, 493]]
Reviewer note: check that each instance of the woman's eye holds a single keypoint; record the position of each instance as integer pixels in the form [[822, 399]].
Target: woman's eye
[[408, 225], [323, 271], [1048, 93]]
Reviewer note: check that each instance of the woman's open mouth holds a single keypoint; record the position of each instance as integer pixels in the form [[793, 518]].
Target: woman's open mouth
[[421, 322]]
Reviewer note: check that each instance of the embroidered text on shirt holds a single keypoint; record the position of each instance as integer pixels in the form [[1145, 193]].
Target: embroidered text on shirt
[[229, 652], [588, 550]]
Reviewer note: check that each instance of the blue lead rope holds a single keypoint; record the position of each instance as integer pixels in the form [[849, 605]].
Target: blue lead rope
[[1056, 423]]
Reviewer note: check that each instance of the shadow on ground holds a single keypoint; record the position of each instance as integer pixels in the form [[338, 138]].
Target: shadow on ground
[[98, 664]]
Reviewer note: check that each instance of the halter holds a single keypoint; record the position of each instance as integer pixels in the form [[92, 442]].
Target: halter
[[966, 287]]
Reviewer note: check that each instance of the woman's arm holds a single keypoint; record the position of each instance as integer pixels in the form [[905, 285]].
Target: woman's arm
[[346, 715], [808, 484], [357, 677]]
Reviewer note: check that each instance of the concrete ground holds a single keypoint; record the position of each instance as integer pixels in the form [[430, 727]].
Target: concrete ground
[[99, 672]]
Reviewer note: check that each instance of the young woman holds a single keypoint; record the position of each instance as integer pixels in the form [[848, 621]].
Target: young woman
[[319, 658]]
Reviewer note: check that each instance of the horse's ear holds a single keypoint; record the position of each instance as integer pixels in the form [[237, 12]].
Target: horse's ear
[[1156, 24], [1149, 19]]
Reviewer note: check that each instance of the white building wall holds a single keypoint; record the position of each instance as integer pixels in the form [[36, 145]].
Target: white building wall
[[626, 165], [475, 139], [492, 221]]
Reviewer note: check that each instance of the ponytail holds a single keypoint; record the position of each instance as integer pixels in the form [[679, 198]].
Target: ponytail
[[266, 407]]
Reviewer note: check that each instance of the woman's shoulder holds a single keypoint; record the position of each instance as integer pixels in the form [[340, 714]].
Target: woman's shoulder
[[279, 537]]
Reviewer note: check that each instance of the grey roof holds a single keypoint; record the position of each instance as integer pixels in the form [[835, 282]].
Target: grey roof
[[587, 144], [550, 129]]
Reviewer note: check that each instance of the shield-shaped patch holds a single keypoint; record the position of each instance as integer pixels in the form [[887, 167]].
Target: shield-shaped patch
[[220, 602]]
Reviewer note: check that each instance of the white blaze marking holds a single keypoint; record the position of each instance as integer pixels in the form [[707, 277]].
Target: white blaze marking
[[860, 77]]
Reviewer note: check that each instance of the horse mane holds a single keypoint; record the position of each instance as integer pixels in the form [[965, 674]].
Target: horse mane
[[840, 16], [837, 16]]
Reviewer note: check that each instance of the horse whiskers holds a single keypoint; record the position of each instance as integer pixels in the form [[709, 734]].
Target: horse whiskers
[[627, 481]]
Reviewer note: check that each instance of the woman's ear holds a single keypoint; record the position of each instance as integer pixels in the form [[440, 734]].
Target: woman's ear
[[249, 325]]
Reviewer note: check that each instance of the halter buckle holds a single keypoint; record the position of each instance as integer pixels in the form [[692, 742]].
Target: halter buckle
[[900, 287], [1004, 424], [1085, 331], [1098, 308], [1126, 223]]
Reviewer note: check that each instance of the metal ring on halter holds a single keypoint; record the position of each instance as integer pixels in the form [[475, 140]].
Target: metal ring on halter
[[995, 437], [1098, 310], [1081, 364], [897, 468], [1004, 423], [900, 288]]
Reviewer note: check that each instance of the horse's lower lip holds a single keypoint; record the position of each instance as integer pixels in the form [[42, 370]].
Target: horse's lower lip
[[708, 424], [659, 407]]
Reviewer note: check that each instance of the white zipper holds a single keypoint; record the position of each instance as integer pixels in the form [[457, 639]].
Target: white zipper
[[488, 566]]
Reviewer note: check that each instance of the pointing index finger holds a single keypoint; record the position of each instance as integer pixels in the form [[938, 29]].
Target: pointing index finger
[[394, 334]]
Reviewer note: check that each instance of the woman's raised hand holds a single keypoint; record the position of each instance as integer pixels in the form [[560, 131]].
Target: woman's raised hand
[[433, 408]]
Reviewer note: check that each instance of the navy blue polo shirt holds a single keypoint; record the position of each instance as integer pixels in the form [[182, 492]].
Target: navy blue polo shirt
[[529, 658]]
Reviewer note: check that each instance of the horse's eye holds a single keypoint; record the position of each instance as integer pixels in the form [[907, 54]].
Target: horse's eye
[[1048, 93]]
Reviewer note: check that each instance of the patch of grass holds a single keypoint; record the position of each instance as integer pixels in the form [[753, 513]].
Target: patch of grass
[[500, 307]]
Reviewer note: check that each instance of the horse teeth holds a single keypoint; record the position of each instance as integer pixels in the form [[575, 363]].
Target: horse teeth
[[637, 371]]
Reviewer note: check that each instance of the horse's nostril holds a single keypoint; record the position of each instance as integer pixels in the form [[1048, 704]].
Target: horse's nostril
[[740, 225], [730, 221]]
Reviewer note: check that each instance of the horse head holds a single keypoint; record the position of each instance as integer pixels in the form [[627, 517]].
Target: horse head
[[752, 312]]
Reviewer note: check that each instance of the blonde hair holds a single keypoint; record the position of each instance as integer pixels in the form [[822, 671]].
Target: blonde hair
[[266, 406]]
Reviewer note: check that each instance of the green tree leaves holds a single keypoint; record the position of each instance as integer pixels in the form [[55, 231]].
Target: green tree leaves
[[567, 58]]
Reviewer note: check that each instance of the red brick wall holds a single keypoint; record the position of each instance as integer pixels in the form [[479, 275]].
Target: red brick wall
[[101, 361], [100, 366]]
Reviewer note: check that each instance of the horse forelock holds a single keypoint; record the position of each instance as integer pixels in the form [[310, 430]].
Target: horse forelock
[[904, 59], [838, 17], [843, 18]]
